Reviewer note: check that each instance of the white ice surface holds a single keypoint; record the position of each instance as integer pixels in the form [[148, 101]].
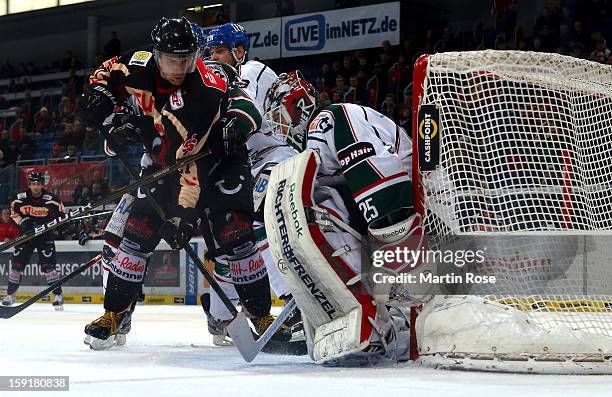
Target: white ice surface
[[158, 360]]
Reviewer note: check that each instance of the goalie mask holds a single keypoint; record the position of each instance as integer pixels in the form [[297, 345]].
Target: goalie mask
[[288, 106]]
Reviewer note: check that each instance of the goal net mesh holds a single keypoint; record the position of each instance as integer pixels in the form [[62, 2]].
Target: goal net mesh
[[525, 157]]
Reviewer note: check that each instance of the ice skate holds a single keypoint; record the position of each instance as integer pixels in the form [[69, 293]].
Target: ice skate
[[8, 300], [58, 302]]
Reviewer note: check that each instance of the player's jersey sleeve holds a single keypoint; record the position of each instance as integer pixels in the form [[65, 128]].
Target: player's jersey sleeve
[[244, 109], [115, 72], [256, 79], [372, 153], [54, 204], [19, 201]]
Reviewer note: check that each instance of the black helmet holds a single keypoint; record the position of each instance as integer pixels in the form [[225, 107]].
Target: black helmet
[[36, 177], [174, 36]]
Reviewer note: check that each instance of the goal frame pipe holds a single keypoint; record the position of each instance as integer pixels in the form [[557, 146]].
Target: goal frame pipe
[[418, 88]]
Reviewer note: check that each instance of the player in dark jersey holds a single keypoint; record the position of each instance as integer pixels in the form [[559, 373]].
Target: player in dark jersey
[[185, 108], [31, 208]]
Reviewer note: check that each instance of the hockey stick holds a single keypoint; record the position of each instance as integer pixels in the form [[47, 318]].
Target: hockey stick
[[92, 215], [145, 180], [238, 328], [10, 311]]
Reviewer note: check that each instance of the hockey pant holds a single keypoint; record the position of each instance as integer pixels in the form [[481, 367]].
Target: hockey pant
[[239, 265]]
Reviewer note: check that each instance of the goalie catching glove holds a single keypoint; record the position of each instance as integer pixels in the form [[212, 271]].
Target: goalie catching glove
[[178, 230], [95, 105]]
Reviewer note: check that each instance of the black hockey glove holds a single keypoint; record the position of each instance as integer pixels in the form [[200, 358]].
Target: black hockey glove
[[26, 225], [95, 105], [130, 129], [177, 231], [233, 139]]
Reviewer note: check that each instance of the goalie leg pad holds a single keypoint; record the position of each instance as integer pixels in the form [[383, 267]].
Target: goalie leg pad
[[336, 309]]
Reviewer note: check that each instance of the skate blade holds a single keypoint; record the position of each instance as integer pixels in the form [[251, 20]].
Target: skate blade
[[101, 344], [59, 308], [222, 341]]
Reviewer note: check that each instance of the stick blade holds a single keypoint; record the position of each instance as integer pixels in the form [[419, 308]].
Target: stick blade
[[242, 336]]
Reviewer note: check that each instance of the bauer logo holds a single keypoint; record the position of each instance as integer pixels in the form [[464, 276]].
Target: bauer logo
[[306, 33], [429, 137]]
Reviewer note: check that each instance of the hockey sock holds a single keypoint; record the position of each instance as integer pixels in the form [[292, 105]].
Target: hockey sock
[[14, 280], [255, 297], [52, 277], [119, 294]]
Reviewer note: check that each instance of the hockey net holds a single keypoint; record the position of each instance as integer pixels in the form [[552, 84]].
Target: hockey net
[[525, 157]]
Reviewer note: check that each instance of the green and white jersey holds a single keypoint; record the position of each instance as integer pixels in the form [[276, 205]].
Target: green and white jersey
[[370, 150]]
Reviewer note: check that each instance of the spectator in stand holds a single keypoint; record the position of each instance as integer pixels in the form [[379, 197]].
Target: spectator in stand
[[84, 197], [361, 94], [97, 192], [12, 154], [5, 140], [8, 228], [79, 185], [340, 87], [57, 151], [70, 137], [579, 35], [388, 49], [3, 162], [336, 97], [102, 181], [348, 68], [600, 47], [42, 121], [388, 106], [324, 98], [363, 62], [26, 151], [327, 75], [65, 113], [405, 118], [90, 139], [71, 151], [113, 47]]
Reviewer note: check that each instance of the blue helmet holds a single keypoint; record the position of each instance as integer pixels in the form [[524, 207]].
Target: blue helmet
[[197, 30], [230, 35]]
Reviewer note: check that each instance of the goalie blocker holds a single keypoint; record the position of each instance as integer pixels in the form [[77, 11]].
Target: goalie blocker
[[321, 266]]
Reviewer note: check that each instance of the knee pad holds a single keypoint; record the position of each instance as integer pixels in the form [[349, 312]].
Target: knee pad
[[233, 231]]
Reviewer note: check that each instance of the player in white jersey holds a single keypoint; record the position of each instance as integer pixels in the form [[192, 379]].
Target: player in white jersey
[[229, 44], [346, 194]]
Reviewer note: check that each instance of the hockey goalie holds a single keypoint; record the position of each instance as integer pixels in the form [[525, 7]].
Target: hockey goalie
[[347, 193]]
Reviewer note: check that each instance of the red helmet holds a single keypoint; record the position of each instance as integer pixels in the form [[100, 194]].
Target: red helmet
[[288, 105]]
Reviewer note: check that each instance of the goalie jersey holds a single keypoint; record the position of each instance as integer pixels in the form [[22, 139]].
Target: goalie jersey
[[369, 150]]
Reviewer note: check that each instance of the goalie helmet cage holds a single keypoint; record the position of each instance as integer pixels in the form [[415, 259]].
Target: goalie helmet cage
[[525, 148]]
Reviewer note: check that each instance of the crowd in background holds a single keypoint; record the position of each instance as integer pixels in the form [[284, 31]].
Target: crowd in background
[[377, 77]]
